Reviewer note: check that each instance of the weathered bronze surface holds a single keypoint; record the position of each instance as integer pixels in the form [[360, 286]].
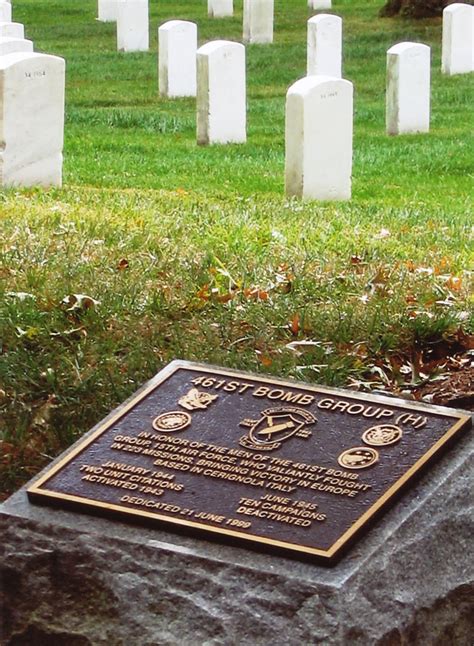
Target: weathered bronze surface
[[280, 464]]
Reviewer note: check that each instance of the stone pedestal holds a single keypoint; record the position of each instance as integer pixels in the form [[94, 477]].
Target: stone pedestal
[[71, 578]]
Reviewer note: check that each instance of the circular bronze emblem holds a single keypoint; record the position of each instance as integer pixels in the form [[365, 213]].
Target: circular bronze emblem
[[172, 421], [382, 435], [360, 457]]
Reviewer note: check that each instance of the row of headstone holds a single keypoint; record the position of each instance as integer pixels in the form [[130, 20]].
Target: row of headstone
[[318, 114], [132, 20], [177, 46], [409, 71], [215, 74], [319, 110], [325, 42], [12, 34], [324, 31], [225, 8], [31, 109]]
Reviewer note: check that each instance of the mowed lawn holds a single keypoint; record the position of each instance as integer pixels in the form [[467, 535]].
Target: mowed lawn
[[157, 249]]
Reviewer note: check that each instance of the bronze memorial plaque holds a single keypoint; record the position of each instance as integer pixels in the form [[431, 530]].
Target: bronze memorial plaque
[[278, 464]]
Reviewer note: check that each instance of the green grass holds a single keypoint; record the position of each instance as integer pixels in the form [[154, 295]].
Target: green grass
[[195, 252]]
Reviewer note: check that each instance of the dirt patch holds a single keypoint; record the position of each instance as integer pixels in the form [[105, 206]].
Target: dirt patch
[[455, 390]]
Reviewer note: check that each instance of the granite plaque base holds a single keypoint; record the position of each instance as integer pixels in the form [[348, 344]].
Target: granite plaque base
[[284, 466], [70, 578]]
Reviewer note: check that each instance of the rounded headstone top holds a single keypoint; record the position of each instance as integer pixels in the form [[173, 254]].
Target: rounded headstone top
[[308, 84], [456, 7], [325, 17], [174, 24], [215, 45], [401, 48]]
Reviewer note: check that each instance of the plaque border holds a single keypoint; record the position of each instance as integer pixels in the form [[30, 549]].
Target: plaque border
[[37, 494]]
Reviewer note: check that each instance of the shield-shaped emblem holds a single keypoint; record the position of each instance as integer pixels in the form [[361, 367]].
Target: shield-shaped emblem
[[275, 427]]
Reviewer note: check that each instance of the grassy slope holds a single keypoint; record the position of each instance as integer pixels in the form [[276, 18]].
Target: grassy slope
[[195, 252]]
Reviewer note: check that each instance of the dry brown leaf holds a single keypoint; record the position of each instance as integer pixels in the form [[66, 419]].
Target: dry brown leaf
[[123, 264], [295, 324]]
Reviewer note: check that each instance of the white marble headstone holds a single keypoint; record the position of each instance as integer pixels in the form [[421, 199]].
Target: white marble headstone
[[12, 45], [458, 36], [221, 93], [177, 47], [324, 54], [12, 30], [220, 8], [258, 21], [107, 10], [31, 119], [408, 89], [318, 138], [5, 12], [132, 26], [320, 4]]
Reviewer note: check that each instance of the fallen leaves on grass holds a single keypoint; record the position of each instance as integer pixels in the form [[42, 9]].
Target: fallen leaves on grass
[[79, 302], [223, 287], [437, 369], [455, 389]]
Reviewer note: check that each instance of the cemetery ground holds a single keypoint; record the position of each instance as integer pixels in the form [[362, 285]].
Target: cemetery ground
[[157, 249]]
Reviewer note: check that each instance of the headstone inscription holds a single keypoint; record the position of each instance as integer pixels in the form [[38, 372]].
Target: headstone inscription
[[408, 89], [13, 45], [12, 30], [132, 26], [324, 54], [318, 138], [177, 47], [260, 461], [458, 37], [5, 12], [258, 21], [320, 4], [31, 119], [221, 93], [220, 8], [107, 10]]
